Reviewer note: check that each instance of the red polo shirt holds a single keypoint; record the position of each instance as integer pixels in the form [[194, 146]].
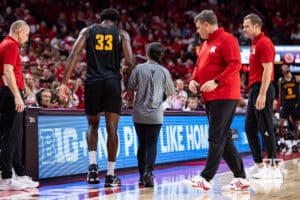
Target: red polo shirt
[[219, 58], [9, 54], [262, 51]]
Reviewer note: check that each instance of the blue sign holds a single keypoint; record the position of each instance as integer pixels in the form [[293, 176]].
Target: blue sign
[[63, 148]]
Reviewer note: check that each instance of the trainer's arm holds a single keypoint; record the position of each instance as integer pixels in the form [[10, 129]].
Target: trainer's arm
[[75, 54]]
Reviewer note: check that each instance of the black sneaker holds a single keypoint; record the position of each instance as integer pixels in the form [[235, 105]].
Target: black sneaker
[[282, 148], [93, 174], [112, 181], [148, 179], [295, 149]]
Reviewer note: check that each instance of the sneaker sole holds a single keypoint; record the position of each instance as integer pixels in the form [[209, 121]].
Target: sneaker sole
[[93, 182], [112, 185], [147, 181]]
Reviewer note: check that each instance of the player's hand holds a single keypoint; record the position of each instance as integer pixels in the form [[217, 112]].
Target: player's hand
[[193, 86], [63, 93]]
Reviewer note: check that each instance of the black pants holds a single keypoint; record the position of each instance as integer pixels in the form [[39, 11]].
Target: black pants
[[11, 132], [220, 114], [147, 137], [262, 121]]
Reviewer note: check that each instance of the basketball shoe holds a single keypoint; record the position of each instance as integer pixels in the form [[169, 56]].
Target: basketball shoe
[[269, 173], [93, 174], [199, 182], [28, 181], [112, 181], [148, 179], [12, 184], [237, 184]]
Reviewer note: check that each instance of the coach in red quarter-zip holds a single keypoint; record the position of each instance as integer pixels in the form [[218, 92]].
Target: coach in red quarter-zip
[[217, 75]]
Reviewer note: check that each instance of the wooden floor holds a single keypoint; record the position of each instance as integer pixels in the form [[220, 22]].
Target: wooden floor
[[169, 185]]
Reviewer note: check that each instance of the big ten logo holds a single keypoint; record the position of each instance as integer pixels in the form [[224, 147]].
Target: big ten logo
[[58, 146], [130, 141]]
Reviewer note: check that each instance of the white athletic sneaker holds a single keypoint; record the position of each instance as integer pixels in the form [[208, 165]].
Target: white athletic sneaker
[[253, 170], [237, 184], [199, 182], [265, 186], [268, 173], [277, 174], [12, 184], [27, 180]]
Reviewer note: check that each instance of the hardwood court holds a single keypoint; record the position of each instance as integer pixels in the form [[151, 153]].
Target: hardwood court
[[169, 185]]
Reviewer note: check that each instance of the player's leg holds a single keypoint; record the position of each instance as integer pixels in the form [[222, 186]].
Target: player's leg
[[93, 107], [296, 123], [282, 147], [112, 108]]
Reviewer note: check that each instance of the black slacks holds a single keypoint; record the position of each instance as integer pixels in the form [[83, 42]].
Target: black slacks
[[220, 114], [147, 148], [260, 121], [11, 135]]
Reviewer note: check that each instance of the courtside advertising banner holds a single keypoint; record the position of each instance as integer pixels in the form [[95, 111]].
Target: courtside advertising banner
[[63, 148]]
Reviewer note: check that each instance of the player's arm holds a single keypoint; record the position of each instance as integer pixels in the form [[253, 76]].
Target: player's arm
[[75, 54], [127, 51]]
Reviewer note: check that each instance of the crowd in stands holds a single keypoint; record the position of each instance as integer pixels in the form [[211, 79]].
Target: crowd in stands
[[55, 25]]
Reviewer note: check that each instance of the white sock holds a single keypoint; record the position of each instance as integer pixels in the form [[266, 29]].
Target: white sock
[[282, 140], [111, 168], [92, 157]]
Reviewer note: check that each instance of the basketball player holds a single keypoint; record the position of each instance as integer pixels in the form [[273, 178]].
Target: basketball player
[[289, 101], [103, 44]]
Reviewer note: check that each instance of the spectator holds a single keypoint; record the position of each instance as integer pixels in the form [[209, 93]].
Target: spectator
[[192, 104], [79, 91], [47, 78], [179, 84], [44, 98], [30, 90]]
